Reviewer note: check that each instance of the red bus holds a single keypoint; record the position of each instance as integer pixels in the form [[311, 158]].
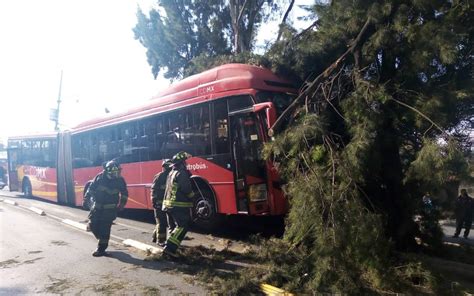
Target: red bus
[[220, 117]]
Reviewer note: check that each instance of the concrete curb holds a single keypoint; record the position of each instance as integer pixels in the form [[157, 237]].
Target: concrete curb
[[75, 224], [142, 246], [10, 202], [271, 290], [37, 211]]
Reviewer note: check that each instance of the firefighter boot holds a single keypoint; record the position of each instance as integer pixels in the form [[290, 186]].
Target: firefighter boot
[[100, 251]]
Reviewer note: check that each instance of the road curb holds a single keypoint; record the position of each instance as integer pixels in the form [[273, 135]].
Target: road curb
[[75, 224], [142, 246], [10, 202], [37, 211], [271, 290]]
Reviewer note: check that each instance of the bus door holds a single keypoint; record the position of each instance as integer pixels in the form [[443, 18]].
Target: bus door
[[13, 182], [249, 166]]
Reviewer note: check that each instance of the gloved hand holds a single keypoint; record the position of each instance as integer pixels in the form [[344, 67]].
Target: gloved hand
[[120, 207]]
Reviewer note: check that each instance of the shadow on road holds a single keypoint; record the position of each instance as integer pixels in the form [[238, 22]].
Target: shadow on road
[[140, 263], [233, 227]]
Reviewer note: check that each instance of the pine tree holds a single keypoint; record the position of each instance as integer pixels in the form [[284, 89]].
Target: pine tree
[[375, 130], [185, 34]]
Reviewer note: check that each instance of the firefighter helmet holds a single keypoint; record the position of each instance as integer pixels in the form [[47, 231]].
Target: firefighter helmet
[[112, 169], [180, 157]]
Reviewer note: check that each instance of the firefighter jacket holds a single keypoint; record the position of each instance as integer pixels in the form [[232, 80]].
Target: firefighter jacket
[[107, 193], [179, 192], [158, 189]]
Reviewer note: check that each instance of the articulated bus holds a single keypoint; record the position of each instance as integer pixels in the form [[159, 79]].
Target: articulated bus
[[220, 117]]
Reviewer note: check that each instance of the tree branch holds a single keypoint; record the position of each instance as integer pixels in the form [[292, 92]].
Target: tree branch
[[280, 31], [422, 115], [241, 12], [309, 88]]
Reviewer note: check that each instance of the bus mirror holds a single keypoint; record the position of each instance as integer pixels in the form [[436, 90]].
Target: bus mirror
[[269, 111]]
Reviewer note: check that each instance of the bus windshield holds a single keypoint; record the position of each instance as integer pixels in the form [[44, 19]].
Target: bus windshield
[[280, 100]]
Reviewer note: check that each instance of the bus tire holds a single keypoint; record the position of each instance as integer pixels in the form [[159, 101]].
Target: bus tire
[[204, 211], [26, 188], [86, 205]]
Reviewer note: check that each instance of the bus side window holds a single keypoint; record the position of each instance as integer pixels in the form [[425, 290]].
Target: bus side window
[[142, 141], [156, 138], [130, 143], [221, 134], [149, 139], [112, 146], [172, 135], [94, 152], [200, 130]]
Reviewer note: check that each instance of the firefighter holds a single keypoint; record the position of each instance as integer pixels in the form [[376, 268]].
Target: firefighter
[[108, 193], [157, 193], [177, 202]]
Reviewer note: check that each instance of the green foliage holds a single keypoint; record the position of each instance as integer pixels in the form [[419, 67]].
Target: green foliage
[[437, 164], [204, 62], [181, 36], [339, 238], [355, 168], [181, 30]]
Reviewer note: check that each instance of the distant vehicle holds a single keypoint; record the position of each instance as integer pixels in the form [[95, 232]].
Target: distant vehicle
[[220, 116]]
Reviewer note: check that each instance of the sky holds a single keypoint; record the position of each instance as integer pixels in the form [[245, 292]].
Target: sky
[[91, 43]]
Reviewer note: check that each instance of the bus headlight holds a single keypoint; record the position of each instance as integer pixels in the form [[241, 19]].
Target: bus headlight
[[258, 192]]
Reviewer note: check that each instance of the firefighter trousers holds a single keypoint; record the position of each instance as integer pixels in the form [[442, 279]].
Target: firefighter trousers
[[159, 233], [100, 224], [182, 219]]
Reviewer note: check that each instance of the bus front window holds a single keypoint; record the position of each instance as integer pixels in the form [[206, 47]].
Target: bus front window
[[280, 100]]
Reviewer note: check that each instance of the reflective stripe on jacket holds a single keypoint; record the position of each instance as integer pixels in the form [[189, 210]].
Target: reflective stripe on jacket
[[179, 192]]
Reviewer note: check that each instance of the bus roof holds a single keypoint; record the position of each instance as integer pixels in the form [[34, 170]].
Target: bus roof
[[198, 88], [39, 136]]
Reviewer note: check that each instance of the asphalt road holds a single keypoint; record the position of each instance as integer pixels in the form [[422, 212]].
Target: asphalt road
[[39, 255], [43, 255]]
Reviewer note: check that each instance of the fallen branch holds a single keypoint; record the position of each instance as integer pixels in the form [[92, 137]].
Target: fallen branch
[[314, 84]]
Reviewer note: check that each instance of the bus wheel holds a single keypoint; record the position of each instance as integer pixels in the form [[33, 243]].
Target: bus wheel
[[27, 190], [204, 210]]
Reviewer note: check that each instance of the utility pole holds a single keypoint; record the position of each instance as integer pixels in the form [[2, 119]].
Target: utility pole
[[56, 127]]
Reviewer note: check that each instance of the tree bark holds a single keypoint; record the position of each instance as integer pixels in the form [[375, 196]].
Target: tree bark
[[236, 12]]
